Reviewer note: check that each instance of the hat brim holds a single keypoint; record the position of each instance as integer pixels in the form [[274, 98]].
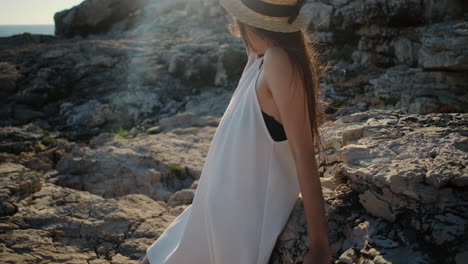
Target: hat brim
[[279, 24]]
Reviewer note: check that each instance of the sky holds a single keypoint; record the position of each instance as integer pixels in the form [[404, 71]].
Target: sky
[[32, 12]]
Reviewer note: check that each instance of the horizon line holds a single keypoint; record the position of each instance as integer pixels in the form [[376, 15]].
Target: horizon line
[[27, 24]]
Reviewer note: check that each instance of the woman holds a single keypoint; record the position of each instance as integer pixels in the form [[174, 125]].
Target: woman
[[263, 151]]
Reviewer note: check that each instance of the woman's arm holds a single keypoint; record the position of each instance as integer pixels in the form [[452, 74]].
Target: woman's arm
[[289, 97]]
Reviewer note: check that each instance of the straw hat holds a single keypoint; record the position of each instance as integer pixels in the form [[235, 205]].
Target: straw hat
[[273, 15]]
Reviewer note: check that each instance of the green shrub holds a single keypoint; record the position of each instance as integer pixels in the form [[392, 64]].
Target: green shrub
[[154, 131], [176, 169], [49, 141], [391, 100], [45, 132], [39, 174], [176, 95], [121, 132]]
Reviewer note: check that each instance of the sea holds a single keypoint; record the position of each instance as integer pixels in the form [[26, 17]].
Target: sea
[[9, 30]]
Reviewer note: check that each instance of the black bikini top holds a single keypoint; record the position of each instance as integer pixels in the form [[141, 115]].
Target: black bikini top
[[275, 128]]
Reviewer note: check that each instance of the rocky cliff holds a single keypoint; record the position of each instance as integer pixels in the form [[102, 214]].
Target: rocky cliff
[[408, 55], [105, 128]]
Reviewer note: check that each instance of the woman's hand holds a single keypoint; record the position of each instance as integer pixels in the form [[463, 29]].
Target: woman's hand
[[317, 256]]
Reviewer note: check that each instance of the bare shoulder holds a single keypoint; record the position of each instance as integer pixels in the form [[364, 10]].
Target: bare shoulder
[[278, 66], [277, 58]]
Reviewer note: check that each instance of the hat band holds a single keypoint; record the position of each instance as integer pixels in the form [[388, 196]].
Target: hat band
[[273, 10], [268, 9]]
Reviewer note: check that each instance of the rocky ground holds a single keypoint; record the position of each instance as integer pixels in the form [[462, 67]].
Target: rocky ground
[[394, 183], [396, 190], [105, 127]]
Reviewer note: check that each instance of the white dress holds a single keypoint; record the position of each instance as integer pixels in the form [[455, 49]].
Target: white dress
[[246, 192]]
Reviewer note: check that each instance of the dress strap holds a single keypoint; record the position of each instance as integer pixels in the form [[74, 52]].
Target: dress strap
[[258, 72]]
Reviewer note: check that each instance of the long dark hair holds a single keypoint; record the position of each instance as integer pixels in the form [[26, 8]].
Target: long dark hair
[[300, 48]]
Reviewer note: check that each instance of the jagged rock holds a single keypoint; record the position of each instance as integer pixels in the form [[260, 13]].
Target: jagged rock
[[19, 139], [156, 165], [62, 225], [231, 62], [406, 50], [348, 257], [394, 183], [130, 83], [378, 37], [417, 91], [216, 64], [352, 14], [181, 197], [47, 85], [400, 186], [128, 112], [445, 47], [16, 183], [9, 76], [376, 205], [24, 113], [320, 15], [90, 114], [377, 211], [133, 80], [179, 120], [31, 146], [94, 16]]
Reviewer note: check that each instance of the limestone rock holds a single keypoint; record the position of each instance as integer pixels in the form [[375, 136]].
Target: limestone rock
[[416, 91], [16, 183], [184, 196], [90, 114], [9, 76], [62, 225], [94, 16], [157, 165], [445, 47], [394, 174], [393, 182]]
